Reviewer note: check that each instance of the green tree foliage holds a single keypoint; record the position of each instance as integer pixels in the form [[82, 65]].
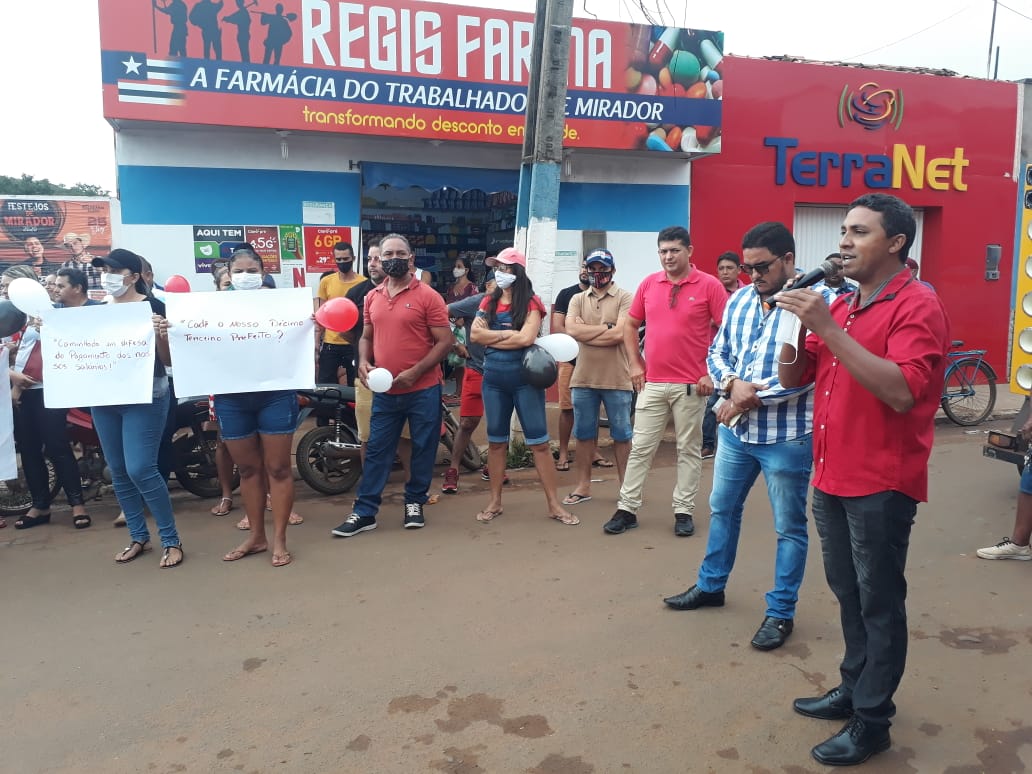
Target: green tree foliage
[[28, 185]]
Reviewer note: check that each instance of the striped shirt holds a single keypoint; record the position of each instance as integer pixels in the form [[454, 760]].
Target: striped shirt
[[746, 346]]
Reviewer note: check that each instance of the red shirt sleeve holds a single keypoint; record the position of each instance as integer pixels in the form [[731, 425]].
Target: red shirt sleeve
[[536, 305], [637, 310]]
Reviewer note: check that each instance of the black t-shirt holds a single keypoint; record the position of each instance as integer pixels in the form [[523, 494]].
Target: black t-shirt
[[357, 296], [157, 307], [562, 301]]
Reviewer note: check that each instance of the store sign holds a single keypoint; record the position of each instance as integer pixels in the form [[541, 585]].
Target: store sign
[[907, 167], [411, 69], [871, 106], [214, 243], [41, 231], [319, 242]]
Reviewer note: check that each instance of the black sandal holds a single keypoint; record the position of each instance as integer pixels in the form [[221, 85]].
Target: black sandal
[[164, 557], [27, 522], [125, 557], [82, 521]]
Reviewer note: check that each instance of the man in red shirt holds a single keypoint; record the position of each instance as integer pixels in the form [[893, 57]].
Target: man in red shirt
[[406, 331], [680, 304], [879, 357]]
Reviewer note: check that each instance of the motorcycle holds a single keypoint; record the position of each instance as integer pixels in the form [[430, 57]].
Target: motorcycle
[[193, 448], [329, 458]]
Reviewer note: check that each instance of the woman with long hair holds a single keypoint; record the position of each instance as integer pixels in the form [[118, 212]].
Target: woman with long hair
[[130, 435], [507, 323]]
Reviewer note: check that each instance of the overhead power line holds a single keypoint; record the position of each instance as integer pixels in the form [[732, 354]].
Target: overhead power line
[[913, 34]]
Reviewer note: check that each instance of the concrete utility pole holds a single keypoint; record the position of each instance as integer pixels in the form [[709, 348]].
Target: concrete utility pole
[[537, 211]]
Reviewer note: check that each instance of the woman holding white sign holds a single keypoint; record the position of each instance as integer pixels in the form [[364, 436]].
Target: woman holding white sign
[[258, 430], [131, 434]]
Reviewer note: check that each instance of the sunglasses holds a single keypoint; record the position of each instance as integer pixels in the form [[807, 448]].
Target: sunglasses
[[675, 290], [760, 268]]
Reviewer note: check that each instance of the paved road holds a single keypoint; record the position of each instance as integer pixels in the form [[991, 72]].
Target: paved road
[[518, 646]]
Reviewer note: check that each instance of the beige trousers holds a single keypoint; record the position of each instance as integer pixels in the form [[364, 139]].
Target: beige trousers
[[656, 404]]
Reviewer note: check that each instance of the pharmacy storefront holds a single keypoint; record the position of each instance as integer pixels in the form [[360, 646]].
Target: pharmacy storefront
[[297, 125]]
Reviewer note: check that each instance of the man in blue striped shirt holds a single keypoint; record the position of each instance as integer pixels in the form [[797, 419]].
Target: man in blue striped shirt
[[763, 427]]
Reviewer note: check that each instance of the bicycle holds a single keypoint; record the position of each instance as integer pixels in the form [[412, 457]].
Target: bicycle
[[969, 389]]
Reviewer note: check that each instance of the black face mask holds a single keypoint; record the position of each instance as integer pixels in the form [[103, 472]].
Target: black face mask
[[345, 266], [395, 267]]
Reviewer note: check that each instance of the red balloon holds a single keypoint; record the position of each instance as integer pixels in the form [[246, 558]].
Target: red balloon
[[177, 283], [337, 314]]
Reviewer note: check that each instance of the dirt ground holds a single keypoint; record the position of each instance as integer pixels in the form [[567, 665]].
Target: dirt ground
[[517, 646]]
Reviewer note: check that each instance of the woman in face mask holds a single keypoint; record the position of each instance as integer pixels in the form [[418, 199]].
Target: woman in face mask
[[465, 284], [131, 435], [506, 325], [258, 430]]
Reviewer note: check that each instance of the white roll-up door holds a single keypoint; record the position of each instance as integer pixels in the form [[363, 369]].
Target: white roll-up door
[[817, 230]]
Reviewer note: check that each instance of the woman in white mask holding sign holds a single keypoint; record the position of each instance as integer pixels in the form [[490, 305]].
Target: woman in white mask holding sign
[[130, 435], [258, 430]]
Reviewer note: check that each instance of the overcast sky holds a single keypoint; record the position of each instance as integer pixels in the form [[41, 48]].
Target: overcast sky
[[51, 89]]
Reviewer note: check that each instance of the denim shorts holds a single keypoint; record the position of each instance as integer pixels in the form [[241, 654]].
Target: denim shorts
[[243, 414], [586, 401], [1026, 480], [505, 390]]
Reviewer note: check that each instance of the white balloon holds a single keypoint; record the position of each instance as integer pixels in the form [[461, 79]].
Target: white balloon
[[562, 346], [380, 380], [29, 297]]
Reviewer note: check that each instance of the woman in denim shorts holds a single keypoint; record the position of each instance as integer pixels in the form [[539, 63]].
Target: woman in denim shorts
[[507, 323], [258, 430]]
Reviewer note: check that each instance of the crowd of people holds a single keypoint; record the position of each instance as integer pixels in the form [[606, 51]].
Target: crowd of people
[[720, 357]]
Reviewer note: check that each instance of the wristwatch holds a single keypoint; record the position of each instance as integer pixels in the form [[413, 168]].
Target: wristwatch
[[726, 382]]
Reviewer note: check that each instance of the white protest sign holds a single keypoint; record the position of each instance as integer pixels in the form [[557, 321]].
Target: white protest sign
[[8, 464], [98, 356], [242, 341]]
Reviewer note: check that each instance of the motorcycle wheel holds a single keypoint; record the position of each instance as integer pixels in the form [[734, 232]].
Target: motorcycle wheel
[[15, 499], [326, 475], [471, 457], [194, 464]]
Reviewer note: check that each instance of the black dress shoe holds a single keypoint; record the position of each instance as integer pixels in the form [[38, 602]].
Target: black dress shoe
[[772, 633], [854, 744], [834, 705], [695, 597]]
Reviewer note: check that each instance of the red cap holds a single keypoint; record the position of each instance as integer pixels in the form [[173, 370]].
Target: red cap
[[509, 256]]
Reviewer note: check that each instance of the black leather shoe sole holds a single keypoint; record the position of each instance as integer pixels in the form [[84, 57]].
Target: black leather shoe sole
[[695, 598]]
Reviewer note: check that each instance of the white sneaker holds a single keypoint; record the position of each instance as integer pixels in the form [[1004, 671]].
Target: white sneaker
[[1005, 549]]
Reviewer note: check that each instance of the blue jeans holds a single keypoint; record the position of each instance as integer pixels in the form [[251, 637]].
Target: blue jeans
[[422, 409], [786, 469], [586, 402], [130, 436], [504, 390], [709, 422], [864, 541]]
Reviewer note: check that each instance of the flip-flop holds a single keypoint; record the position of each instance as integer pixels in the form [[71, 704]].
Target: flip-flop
[[295, 518], [281, 560], [571, 520], [487, 515], [573, 498], [219, 510], [144, 548], [602, 463], [164, 557], [243, 524], [236, 554], [561, 466]]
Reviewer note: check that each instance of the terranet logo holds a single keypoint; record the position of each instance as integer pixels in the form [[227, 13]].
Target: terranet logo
[[871, 107]]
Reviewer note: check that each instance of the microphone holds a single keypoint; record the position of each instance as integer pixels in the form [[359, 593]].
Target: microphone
[[814, 276]]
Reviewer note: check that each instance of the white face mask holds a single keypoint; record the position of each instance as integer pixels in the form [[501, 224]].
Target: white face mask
[[246, 281], [504, 280], [113, 284], [457, 273]]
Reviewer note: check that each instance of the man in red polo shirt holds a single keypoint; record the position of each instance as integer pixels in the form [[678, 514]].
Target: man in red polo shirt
[[679, 305], [406, 331], [879, 356]]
